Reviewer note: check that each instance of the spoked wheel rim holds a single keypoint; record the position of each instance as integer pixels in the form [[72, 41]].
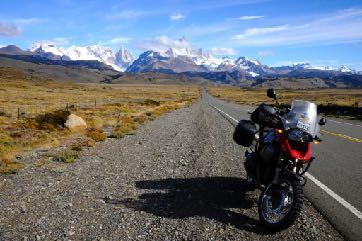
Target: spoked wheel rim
[[277, 201]]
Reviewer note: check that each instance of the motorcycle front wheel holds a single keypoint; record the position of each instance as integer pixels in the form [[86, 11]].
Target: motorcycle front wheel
[[279, 205]]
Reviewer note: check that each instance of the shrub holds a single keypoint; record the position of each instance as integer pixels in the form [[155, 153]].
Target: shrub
[[125, 127], [78, 143], [96, 134], [139, 119], [96, 122], [121, 131], [66, 156], [6, 145], [151, 102], [52, 120], [10, 167]]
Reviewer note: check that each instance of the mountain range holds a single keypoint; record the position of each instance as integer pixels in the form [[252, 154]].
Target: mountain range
[[172, 60], [187, 62]]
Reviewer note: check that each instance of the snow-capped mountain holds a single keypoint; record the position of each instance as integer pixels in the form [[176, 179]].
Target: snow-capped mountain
[[189, 60], [199, 57], [41, 47], [345, 69], [119, 61], [151, 61], [124, 58]]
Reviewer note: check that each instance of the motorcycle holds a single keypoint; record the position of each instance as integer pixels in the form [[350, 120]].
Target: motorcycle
[[279, 155]]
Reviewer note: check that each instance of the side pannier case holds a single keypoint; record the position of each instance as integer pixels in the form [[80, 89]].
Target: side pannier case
[[244, 133], [264, 115]]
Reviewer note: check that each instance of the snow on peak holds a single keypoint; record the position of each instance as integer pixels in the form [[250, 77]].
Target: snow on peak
[[119, 61], [246, 60], [302, 65], [345, 69], [124, 58], [246, 63], [45, 47]]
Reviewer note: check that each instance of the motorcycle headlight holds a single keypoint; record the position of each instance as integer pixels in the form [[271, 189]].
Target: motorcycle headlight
[[298, 135]]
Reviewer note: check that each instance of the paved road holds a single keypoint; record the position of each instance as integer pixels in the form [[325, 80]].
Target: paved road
[[338, 166]]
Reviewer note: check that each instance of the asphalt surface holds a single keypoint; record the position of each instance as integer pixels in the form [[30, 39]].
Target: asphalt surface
[[337, 165]]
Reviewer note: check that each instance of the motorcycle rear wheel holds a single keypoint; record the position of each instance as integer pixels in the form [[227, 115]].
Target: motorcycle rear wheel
[[279, 205]]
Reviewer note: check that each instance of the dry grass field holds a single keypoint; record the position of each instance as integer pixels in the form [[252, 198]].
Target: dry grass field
[[337, 102], [33, 111], [342, 97]]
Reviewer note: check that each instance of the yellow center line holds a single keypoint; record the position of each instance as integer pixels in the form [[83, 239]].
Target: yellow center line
[[343, 136]]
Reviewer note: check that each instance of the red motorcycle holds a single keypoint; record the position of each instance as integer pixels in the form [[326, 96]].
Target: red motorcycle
[[280, 154]]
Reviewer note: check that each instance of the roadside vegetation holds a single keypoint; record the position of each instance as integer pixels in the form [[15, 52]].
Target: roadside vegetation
[[33, 112], [331, 102]]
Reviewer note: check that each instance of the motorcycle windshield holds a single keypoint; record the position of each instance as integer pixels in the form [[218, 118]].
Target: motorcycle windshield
[[303, 115]]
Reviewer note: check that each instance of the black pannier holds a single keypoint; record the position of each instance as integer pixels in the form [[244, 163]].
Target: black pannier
[[264, 115], [244, 133]]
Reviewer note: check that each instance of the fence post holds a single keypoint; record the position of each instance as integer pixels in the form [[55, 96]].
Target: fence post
[[95, 102], [18, 113]]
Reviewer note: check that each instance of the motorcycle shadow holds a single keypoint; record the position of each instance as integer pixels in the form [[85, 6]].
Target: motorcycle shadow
[[216, 198]]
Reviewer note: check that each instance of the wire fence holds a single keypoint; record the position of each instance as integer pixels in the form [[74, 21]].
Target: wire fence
[[17, 112]]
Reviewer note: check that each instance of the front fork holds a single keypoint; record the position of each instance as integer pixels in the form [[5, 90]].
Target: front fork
[[276, 176], [295, 169], [278, 169]]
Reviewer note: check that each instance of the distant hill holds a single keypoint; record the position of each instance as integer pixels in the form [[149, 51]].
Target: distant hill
[[37, 67], [293, 80], [12, 50]]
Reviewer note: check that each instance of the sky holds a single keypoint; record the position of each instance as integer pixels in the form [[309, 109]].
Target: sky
[[276, 32]]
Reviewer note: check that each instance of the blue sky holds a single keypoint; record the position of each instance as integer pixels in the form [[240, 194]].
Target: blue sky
[[275, 32]]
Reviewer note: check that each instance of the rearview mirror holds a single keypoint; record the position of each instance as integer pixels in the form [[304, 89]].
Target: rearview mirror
[[323, 121], [271, 94]]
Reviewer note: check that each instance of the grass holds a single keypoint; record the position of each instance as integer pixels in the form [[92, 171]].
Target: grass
[[66, 156], [96, 134], [44, 105], [334, 102], [10, 167]]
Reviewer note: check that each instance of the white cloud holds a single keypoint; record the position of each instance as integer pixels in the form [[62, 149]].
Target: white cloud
[[260, 31], [266, 53], [162, 43], [119, 40], [28, 20], [176, 17], [9, 30], [249, 17], [339, 27], [56, 41], [223, 51]]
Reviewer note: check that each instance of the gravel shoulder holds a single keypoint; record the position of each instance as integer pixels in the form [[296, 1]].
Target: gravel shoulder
[[180, 177]]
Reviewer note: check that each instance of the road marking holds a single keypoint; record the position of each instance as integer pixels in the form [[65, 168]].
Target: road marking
[[331, 193], [346, 123], [347, 205], [343, 136], [232, 118]]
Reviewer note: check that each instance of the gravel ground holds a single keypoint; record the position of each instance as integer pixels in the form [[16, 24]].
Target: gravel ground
[[179, 177]]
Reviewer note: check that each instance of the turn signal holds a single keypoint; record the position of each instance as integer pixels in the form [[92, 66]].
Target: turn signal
[[315, 142], [280, 131]]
